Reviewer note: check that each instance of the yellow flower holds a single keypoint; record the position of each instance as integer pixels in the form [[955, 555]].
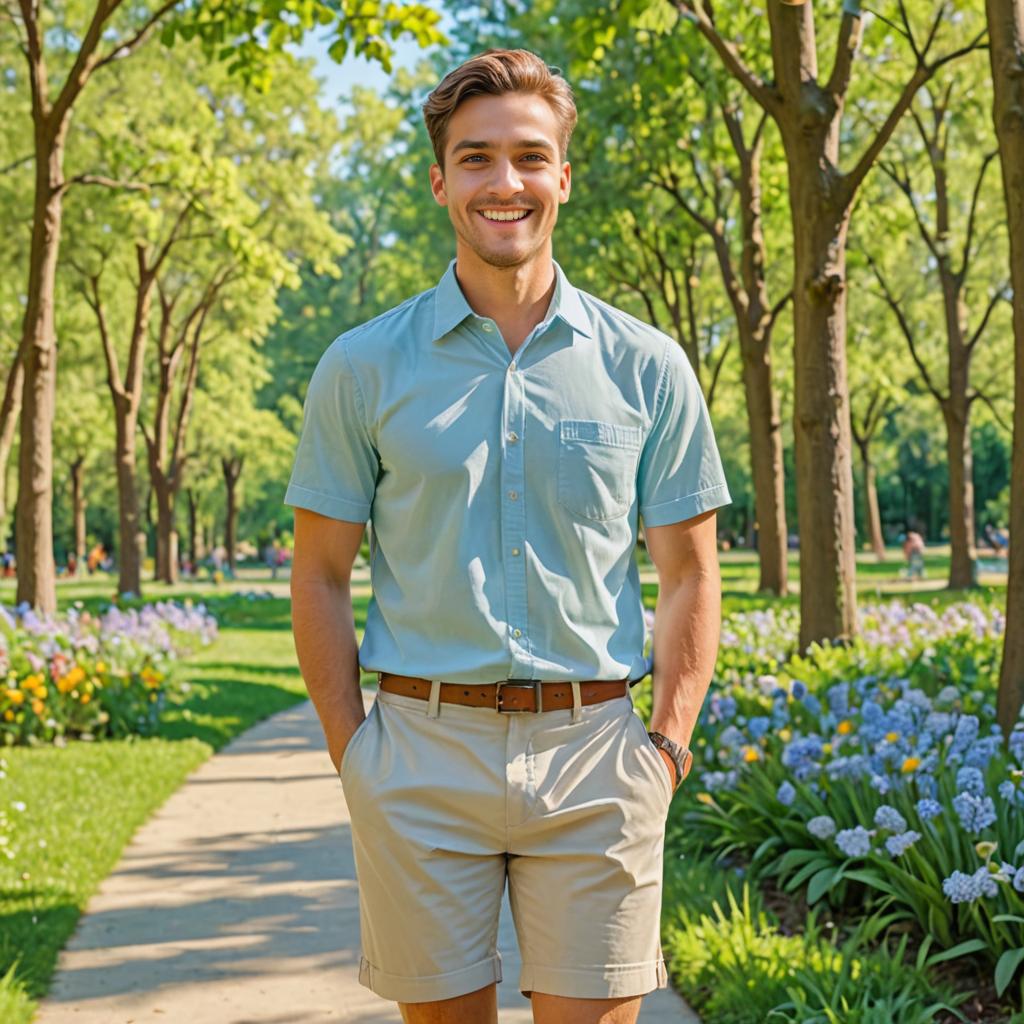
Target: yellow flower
[[38, 706], [40, 692], [86, 698], [826, 748], [9, 715], [911, 763], [845, 727], [76, 675], [101, 666], [892, 737], [785, 735], [750, 754], [15, 696], [705, 798]]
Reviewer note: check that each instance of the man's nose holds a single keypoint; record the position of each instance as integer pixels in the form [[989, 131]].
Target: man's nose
[[505, 180]]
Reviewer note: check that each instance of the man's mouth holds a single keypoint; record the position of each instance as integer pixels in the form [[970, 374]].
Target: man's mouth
[[504, 216]]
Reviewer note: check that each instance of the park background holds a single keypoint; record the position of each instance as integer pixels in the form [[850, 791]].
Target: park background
[[198, 198]]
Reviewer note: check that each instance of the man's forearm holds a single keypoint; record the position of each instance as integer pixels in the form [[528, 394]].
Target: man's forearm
[[687, 623], [325, 642]]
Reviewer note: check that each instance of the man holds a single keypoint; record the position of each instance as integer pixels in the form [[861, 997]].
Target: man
[[504, 431]]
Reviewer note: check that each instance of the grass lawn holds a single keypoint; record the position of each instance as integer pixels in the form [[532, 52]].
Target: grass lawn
[[71, 811]]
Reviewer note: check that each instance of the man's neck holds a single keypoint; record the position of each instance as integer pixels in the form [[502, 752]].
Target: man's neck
[[515, 298]]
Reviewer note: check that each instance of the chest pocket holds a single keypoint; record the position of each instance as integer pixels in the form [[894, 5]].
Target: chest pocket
[[597, 464]]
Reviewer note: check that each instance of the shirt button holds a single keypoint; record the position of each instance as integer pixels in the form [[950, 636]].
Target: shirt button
[[513, 436], [515, 551], [517, 632], [513, 495], [487, 325]]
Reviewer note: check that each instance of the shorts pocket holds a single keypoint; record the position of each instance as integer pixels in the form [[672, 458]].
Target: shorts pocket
[[658, 762], [354, 739], [597, 464]]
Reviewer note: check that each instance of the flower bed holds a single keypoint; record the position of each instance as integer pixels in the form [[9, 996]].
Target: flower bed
[[874, 775], [88, 676]]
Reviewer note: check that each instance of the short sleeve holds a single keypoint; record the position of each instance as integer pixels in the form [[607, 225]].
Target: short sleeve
[[336, 465], [680, 473]]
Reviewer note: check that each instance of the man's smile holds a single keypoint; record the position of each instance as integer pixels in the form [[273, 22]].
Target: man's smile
[[504, 216]]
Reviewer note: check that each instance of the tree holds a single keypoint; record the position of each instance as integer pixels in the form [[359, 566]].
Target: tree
[[809, 112], [950, 198], [248, 34], [1006, 55]]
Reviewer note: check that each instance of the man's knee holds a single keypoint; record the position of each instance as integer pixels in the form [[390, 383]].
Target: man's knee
[[549, 1009], [479, 1007]]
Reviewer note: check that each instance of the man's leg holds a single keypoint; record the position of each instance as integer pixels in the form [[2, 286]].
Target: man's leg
[[549, 1009], [479, 1007]]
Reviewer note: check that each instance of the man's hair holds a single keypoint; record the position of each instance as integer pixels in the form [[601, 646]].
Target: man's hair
[[493, 73]]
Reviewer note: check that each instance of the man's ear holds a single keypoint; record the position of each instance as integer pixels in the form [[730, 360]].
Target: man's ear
[[437, 185], [565, 182]]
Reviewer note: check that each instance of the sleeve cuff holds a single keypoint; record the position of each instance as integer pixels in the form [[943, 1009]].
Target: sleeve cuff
[[678, 510], [327, 505]]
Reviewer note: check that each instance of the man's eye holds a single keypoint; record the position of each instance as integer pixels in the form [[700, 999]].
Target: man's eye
[[475, 156], [534, 156]]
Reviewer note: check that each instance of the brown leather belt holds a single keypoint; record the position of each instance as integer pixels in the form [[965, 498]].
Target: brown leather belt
[[509, 694]]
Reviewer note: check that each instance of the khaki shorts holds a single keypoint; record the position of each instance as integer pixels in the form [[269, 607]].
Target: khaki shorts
[[447, 801]]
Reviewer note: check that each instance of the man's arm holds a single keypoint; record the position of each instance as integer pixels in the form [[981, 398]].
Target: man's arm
[[687, 621], [323, 623]]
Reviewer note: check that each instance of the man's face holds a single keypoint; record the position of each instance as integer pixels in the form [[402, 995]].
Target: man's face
[[503, 180]]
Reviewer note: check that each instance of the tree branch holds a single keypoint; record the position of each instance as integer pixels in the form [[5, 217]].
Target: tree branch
[[1003, 292], [973, 211]]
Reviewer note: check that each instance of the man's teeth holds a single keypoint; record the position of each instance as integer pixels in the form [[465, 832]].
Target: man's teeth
[[505, 215]]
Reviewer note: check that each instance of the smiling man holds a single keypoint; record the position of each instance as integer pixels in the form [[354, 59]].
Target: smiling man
[[506, 433]]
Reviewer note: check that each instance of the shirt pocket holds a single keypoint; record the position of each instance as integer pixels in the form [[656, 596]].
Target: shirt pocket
[[597, 464]]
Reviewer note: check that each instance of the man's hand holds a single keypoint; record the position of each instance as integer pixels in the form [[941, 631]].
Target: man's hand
[[336, 751]]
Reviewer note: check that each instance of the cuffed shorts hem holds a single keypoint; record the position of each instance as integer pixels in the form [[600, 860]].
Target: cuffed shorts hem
[[613, 982], [403, 989]]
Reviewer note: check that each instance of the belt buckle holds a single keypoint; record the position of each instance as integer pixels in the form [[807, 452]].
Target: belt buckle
[[521, 683]]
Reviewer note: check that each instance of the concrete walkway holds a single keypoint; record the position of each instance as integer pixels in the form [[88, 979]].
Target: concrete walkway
[[237, 904]]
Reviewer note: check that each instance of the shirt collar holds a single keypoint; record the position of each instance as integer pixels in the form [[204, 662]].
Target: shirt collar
[[451, 307]]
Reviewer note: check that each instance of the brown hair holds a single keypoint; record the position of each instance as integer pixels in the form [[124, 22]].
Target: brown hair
[[493, 73]]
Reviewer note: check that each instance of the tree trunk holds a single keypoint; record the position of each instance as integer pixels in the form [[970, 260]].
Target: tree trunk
[[129, 579], [821, 419], [232, 471], [9, 410], [1006, 52], [959, 457], [766, 464], [78, 505], [197, 550], [37, 579], [872, 518]]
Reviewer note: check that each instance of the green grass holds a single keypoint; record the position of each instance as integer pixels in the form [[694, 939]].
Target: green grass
[[84, 802]]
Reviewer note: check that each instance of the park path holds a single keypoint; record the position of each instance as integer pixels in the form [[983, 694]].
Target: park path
[[237, 904]]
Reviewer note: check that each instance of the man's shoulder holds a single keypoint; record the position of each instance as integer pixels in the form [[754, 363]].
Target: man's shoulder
[[623, 328], [392, 327]]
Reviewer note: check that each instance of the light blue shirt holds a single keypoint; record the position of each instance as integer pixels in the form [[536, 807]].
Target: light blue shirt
[[504, 491]]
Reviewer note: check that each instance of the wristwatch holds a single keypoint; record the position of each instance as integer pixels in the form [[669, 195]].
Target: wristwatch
[[681, 756]]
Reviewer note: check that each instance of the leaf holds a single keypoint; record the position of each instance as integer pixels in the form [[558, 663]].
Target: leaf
[[970, 946], [1007, 967], [822, 882]]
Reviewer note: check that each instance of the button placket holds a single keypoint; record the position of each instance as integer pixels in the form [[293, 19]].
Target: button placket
[[513, 526]]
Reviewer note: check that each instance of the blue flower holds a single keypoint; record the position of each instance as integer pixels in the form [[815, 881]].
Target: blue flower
[[976, 813], [899, 844], [1016, 744], [928, 809], [758, 726], [965, 734], [854, 842], [821, 827], [798, 689], [970, 780], [881, 783], [1018, 880], [963, 888], [890, 819], [786, 793], [839, 699]]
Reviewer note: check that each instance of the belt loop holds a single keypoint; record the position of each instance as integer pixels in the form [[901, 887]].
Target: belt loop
[[577, 701], [434, 705]]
